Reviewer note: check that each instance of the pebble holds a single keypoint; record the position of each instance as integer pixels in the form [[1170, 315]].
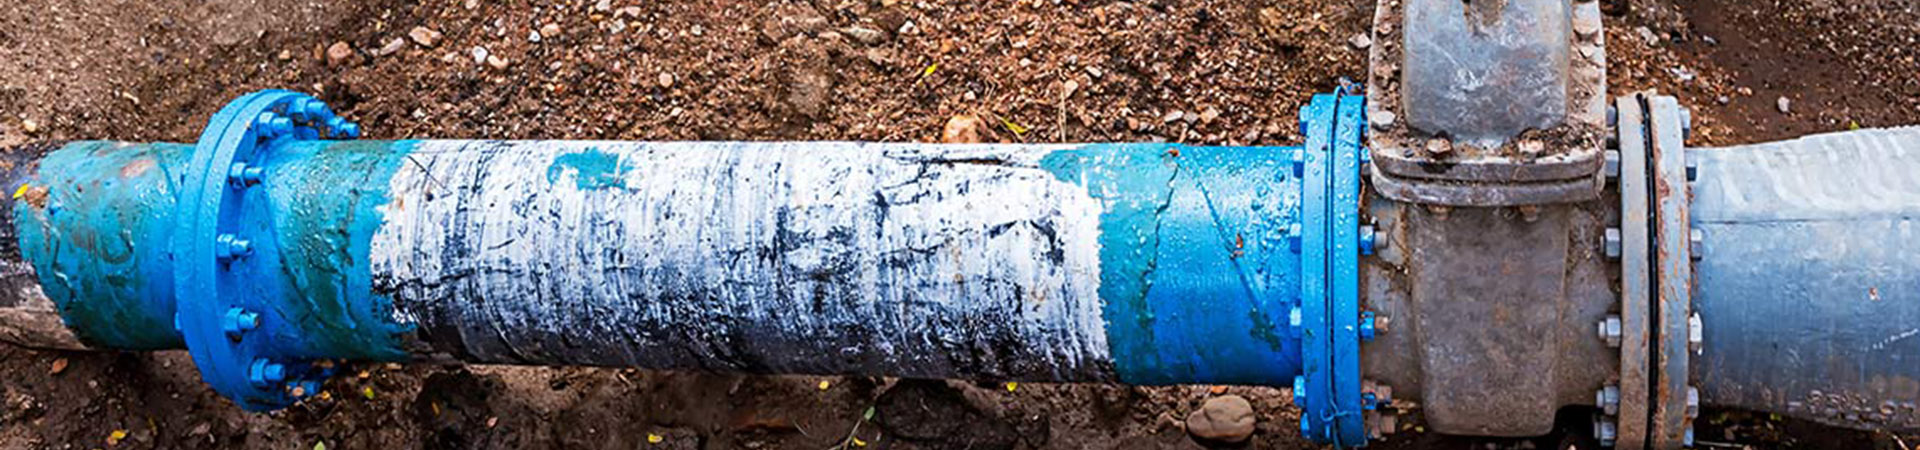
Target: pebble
[[533, 36], [29, 126], [393, 46], [1383, 119], [1227, 418], [496, 62], [1785, 105], [666, 80], [603, 5], [1439, 146], [1095, 72], [1360, 41], [865, 35], [424, 36], [1209, 115], [339, 54], [634, 12], [285, 55], [1722, 100], [962, 129], [1532, 147], [480, 55], [550, 30], [1173, 116]]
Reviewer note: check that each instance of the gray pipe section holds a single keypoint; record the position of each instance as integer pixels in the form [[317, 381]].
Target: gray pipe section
[[1809, 290]]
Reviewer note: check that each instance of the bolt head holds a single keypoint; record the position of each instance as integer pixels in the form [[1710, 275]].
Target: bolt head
[[1610, 331], [1300, 392], [1696, 338], [1608, 399], [1366, 239], [1610, 243], [1604, 429], [1613, 164], [1693, 402], [1696, 243]]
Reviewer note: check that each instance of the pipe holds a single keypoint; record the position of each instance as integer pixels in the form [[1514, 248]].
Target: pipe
[[1807, 289], [1147, 263]]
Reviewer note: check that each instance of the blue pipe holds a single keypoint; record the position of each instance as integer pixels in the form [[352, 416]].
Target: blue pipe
[[268, 252]]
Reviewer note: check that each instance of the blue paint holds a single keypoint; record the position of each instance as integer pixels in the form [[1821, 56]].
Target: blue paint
[[1195, 272], [298, 274], [1329, 259], [591, 169], [97, 240]]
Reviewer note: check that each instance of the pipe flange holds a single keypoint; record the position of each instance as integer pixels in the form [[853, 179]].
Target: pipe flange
[[227, 264], [1331, 240]]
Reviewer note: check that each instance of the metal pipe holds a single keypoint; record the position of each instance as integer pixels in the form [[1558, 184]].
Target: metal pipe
[[1807, 288], [1147, 263]]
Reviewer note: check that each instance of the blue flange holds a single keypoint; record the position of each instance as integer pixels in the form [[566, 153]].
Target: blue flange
[[224, 250], [1331, 241]]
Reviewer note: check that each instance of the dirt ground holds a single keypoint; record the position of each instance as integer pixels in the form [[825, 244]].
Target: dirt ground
[[1196, 71]]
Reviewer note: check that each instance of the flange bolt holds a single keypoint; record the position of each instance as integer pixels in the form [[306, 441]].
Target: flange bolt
[[266, 373], [243, 175], [1610, 331], [228, 246], [238, 321]]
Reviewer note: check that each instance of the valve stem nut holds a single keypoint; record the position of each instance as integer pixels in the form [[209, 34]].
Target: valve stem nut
[[1610, 330]]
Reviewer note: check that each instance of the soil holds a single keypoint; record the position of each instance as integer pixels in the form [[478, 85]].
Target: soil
[[1235, 71]]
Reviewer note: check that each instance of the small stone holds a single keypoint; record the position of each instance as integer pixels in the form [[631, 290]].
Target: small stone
[[533, 36], [339, 54], [1439, 146], [1785, 105], [1532, 147], [603, 5], [1209, 114], [29, 126], [1382, 119], [1095, 72], [496, 62], [666, 80], [962, 129], [550, 30], [393, 46], [480, 55], [424, 36], [285, 55], [1360, 41], [1722, 100], [865, 35], [1173, 116], [1227, 418], [1067, 89], [635, 11]]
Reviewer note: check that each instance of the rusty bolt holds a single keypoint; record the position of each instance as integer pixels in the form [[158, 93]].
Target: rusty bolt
[[1608, 399], [1380, 324], [1695, 338], [1696, 243], [1611, 244], [1610, 331], [1693, 402]]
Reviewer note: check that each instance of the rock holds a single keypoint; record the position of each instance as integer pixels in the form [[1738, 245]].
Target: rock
[[1360, 41], [865, 35], [533, 36], [480, 55], [424, 36], [1785, 105], [1209, 114], [963, 129], [934, 414], [550, 31], [1439, 146], [1095, 72], [1173, 116], [29, 126], [339, 54], [634, 12], [666, 80], [393, 46], [496, 62], [603, 5], [1382, 119], [1532, 147], [1227, 418], [285, 55], [1722, 100]]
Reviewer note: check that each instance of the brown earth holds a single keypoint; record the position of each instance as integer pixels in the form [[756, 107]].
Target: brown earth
[[875, 70]]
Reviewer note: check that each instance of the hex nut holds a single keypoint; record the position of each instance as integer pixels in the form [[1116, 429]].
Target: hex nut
[[1696, 243], [1693, 402], [1608, 399], [1604, 430], [1613, 164], [1610, 331], [1695, 334], [1611, 243]]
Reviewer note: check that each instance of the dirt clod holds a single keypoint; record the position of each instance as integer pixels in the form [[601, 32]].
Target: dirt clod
[[1227, 418]]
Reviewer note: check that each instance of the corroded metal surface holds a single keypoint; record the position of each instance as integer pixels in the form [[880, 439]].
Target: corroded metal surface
[[1636, 271], [1670, 426]]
